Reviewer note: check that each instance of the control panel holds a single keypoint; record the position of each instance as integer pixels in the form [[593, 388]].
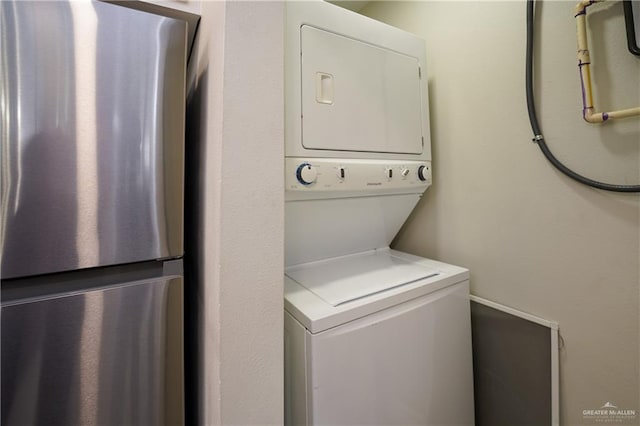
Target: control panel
[[334, 174]]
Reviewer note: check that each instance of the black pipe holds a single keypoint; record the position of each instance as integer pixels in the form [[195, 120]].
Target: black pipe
[[538, 138]]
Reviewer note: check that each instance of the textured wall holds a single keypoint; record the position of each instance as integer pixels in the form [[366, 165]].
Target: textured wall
[[533, 239], [238, 133], [252, 225]]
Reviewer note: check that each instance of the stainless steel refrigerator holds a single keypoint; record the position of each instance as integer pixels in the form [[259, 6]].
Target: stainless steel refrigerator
[[92, 99]]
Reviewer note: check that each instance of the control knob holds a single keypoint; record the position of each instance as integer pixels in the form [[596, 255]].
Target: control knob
[[306, 174], [423, 173]]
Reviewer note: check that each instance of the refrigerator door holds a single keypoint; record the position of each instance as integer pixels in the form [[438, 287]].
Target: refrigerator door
[[92, 127], [110, 356]]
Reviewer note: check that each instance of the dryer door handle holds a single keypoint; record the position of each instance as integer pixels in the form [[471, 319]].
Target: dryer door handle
[[324, 88]]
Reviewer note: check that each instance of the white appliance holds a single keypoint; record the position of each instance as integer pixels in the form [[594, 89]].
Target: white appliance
[[372, 335]]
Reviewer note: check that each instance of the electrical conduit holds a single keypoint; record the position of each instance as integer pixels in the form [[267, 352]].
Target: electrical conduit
[[535, 125]]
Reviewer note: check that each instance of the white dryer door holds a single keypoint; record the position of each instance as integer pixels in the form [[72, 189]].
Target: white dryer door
[[358, 97], [406, 365]]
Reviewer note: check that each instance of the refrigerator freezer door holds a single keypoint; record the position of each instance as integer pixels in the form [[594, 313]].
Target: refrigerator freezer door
[[92, 136], [112, 356]]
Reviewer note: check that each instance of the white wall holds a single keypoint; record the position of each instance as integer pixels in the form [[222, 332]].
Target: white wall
[[532, 238], [238, 100]]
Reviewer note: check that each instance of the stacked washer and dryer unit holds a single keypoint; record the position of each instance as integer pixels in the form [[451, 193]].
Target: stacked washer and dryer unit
[[372, 335]]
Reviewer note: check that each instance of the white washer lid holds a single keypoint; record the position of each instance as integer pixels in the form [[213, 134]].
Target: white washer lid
[[349, 278]]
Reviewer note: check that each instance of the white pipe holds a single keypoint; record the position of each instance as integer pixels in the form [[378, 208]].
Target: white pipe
[[584, 65]]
